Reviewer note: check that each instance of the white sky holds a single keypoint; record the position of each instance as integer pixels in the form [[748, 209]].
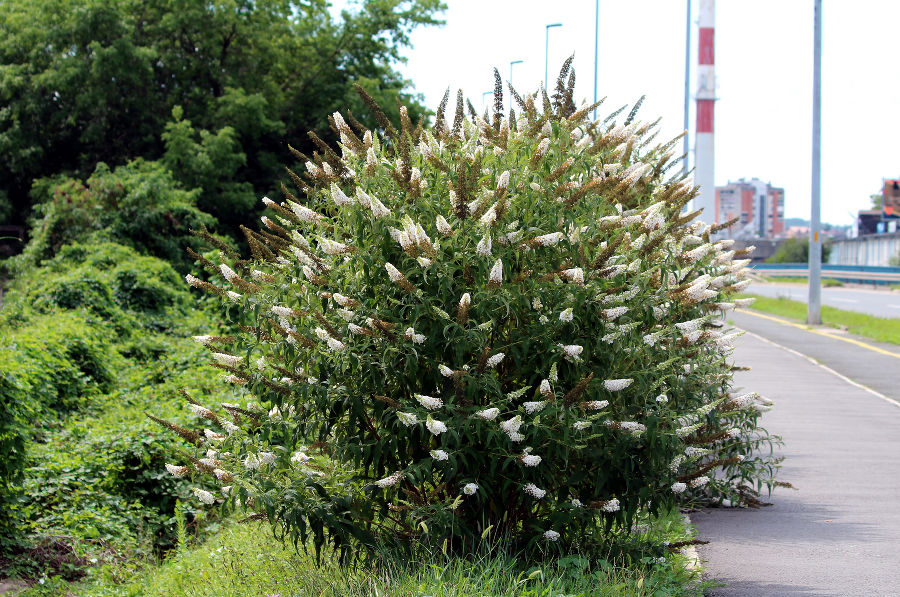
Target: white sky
[[764, 75]]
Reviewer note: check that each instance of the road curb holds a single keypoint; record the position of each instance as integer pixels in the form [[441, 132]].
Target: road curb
[[691, 553]]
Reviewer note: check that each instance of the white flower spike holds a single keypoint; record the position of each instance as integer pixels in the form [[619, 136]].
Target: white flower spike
[[205, 496], [496, 275], [429, 402], [534, 491], [488, 414], [435, 427], [614, 385]]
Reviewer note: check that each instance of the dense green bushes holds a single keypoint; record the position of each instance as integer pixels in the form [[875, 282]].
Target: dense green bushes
[[57, 361], [108, 281], [115, 283], [139, 205], [108, 491], [93, 338], [94, 322], [48, 368]]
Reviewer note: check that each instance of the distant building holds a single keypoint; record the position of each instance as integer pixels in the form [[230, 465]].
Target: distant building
[[758, 206], [868, 221], [877, 238], [885, 220], [890, 198]]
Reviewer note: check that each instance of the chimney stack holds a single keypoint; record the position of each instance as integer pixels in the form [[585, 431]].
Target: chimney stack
[[704, 141]]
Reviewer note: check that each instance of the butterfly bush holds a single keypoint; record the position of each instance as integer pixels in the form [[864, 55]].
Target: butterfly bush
[[504, 326]]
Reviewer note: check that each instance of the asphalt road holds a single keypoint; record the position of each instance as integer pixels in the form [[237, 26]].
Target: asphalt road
[[838, 534], [881, 303]]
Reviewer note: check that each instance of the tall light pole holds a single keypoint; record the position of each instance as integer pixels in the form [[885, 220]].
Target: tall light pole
[[813, 314], [483, 96], [547, 50], [687, 90], [511, 63], [596, 47]]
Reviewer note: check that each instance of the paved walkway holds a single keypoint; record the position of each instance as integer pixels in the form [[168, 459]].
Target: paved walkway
[[839, 533], [870, 363]]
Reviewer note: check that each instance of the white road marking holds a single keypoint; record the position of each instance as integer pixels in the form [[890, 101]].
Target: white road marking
[[823, 366]]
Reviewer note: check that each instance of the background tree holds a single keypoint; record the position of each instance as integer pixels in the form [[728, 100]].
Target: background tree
[[796, 250], [85, 81], [877, 200]]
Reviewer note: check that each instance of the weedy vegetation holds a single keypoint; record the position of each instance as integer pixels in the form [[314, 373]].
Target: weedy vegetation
[[242, 559]]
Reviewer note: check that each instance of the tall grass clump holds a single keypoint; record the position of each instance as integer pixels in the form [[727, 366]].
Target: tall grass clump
[[241, 560], [502, 326]]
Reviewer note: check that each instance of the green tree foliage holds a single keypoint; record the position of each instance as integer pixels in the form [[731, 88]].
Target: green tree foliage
[[796, 250], [497, 327], [6, 209], [89, 81], [209, 163], [139, 204], [877, 200]]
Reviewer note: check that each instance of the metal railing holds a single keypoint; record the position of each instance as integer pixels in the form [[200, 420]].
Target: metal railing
[[869, 274]]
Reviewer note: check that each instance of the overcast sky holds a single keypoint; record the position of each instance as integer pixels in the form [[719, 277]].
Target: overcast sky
[[764, 74]]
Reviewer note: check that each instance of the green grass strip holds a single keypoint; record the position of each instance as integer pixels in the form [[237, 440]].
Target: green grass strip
[[881, 329], [826, 282], [246, 560]]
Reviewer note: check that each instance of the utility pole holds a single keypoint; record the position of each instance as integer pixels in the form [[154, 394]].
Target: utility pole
[[511, 64], [547, 52], [596, 48], [484, 99], [687, 90], [813, 315]]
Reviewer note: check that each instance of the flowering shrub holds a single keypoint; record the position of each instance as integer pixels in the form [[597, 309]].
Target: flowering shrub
[[485, 327]]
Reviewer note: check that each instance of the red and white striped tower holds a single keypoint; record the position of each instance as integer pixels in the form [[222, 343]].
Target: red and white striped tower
[[704, 143]]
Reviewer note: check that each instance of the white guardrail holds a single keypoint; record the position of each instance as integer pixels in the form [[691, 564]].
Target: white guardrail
[[849, 273]]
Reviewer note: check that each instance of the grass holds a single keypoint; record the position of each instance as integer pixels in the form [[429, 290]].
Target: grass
[[826, 282], [881, 329], [245, 560]]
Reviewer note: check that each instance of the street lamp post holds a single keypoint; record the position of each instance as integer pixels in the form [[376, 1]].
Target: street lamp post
[[483, 96], [813, 314], [511, 63], [596, 47], [547, 50], [687, 90]]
